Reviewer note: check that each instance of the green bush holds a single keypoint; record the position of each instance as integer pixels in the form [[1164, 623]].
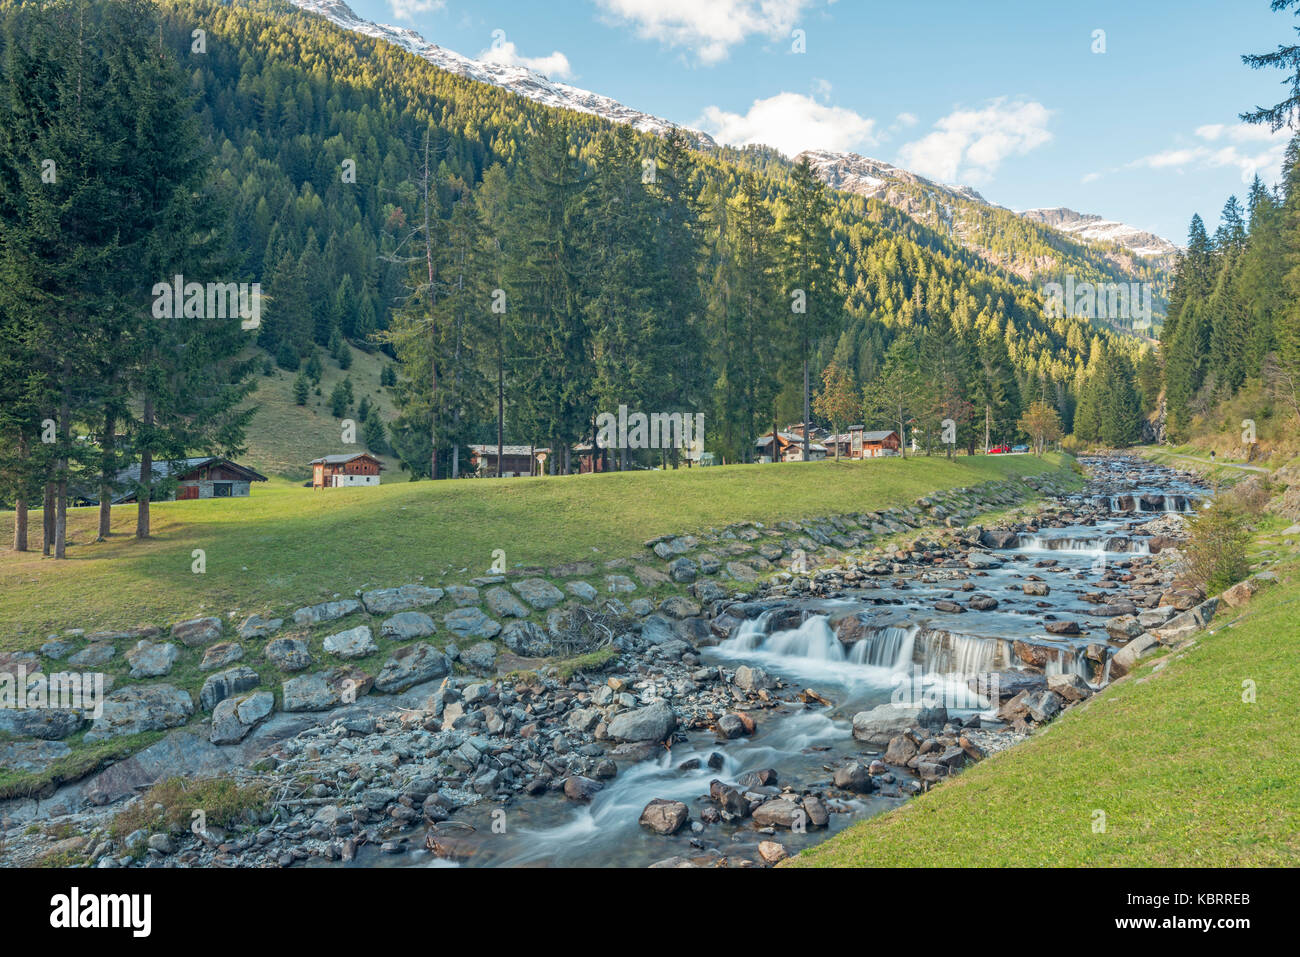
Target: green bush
[[1215, 555]]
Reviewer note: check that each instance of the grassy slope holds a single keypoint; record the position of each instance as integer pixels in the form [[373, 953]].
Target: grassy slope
[[283, 436], [287, 546], [1185, 771]]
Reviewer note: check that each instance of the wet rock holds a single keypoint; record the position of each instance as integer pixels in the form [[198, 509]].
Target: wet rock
[[948, 606], [730, 726], [1031, 654], [197, 632], [579, 788], [772, 851], [664, 817], [902, 748], [1063, 628], [815, 811], [983, 603], [353, 643], [778, 812], [1036, 588], [852, 777], [998, 538], [288, 654], [933, 717]]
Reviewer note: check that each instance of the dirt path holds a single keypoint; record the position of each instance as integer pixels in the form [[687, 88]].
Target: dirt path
[[1229, 465]]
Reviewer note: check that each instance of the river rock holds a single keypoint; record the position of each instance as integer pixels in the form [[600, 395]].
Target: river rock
[[1187, 624], [406, 625], [1063, 628], [579, 788], [752, 679], [1123, 660], [234, 718], [852, 777], [326, 611], [879, 725], [289, 654], [226, 684], [983, 602], [654, 722], [410, 666], [141, 708], [149, 660], [353, 643], [998, 538], [1036, 588], [664, 817], [772, 851], [902, 748], [1071, 687], [386, 601], [778, 812], [539, 593], [197, 632], [815, 811]]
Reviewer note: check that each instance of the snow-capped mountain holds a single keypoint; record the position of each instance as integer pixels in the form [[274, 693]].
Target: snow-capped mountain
[[518, 79], [870, 177], [1090, 227]]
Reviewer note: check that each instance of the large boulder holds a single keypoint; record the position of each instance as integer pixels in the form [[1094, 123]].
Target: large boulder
[[505, 605], [45, 724], [255, 626], [664, 817], [654, 722], [411, 666], [289, 654], [141, 708], [235, 717], [526, 639], [778, 812], [1242, 592], [1122, 662], [1183, 626], [480, 657], [882, 723]]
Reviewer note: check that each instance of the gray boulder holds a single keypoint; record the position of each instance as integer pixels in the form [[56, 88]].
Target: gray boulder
[[410, 666], [289, 654], [654, 722], [386, 601], [234, 718], [470, 623], [141, 708], [539, 593], [353, 643], [197, 632], [406, 625], [505, 605], [326, 611], [226, 684], [150, 660]]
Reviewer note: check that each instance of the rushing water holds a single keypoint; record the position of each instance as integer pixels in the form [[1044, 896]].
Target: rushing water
[[904, 649]]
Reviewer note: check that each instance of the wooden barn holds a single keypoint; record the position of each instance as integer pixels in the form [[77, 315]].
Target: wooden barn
[[345, 470], [207, 476], [515, 459]]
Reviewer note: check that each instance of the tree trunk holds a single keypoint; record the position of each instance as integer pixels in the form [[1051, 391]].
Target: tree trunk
[[807, 426], [47, 520], [20, 524], [61, 505], [107, 472], [146, 471]]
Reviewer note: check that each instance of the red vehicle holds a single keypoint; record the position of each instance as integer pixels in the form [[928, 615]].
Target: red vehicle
[[999, 450]]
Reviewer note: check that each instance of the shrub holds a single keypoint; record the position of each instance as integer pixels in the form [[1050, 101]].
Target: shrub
[[1215, 555]]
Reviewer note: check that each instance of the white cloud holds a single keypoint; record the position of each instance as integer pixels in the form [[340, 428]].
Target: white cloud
[[792, 123], [709, 28], [505, 53], [1090, 177], [407, 9], [969, 145], [1251, 149], [906, 119]]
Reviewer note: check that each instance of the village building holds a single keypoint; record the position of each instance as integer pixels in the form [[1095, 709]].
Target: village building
[[516, 460], [789, 448], [857, 443], [345, 470], [206, 476]]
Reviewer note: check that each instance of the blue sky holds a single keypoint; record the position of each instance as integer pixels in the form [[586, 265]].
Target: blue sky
[[1007, 96]]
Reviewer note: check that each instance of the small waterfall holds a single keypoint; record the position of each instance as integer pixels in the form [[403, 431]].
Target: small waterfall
[[752, 632], [813, 640], [890, 648], [1093, 546], [946, 653]]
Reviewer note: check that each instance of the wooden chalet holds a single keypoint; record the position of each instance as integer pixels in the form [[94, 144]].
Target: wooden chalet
[[345, 470]]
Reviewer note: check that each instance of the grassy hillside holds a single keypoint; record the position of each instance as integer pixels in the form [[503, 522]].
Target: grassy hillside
[[1188, 774], [287, 546], [284, 436]]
